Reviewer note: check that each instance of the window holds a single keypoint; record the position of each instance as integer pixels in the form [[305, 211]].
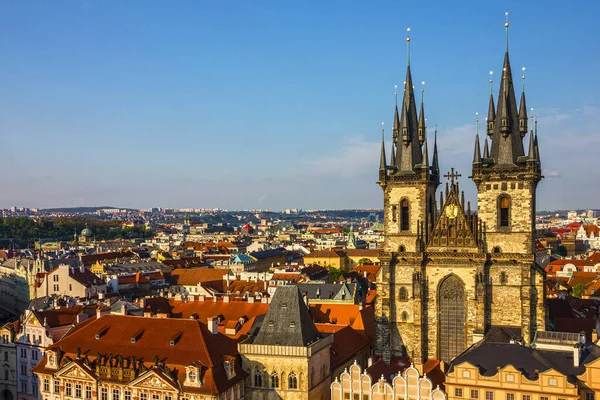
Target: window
[[544, 398], [404, 215], [143, 396], [394, 219], [474, 394], [5, 374], [70, 287], [553, 382], [127, 394], [503, 279], [34, 355], [168, 398], [510, 378], [192, 375], [526, 397], [104, 394], [56, 288], [589, 396], [457, 392], [489, 395], [257, 379], [403, 294], [346, 396], [466, 374], [5, 355], [510, 396], [68, 389], [274, 380], [34, 389], [23, 369], [504, 214], [292, 381], [24, 353], [404, 316], [78, 390], [24, 387], [88, 392], [46, 386], [155, 397], [56, 386]]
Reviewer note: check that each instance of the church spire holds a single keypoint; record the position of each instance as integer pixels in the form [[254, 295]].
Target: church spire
[[523, 109], [486, 151], [491, 110], [535, 141], [425, 154], [435, 164], [382, 161], [477, 154], [422, 127]]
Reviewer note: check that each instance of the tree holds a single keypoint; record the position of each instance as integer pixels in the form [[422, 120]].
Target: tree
[[365, 261], [578, 290], [334, 274]]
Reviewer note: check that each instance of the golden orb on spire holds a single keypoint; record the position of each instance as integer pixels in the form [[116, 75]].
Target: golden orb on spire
[[506, 23]]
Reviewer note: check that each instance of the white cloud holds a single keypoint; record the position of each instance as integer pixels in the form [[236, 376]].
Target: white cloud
[[355, 157], [550, 173]]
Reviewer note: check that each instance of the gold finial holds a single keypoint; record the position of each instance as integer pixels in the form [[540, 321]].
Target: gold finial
[[477, 123], [396, 94], [408, 44], [506, 26], [422, 86], [523, 78], [382, 132], [491, 80]]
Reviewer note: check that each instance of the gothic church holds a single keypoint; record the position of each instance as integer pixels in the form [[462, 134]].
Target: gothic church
[[449, 274]]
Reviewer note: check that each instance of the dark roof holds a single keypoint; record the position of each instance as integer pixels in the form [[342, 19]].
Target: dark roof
[[288, 321], [261, 255], [488, 356], [326, 290]]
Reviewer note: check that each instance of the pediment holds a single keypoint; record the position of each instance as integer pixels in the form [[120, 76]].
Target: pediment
[[151, 380], [73, 370]]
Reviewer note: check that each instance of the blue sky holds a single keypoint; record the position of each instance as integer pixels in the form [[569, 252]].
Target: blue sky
[[274, 104]]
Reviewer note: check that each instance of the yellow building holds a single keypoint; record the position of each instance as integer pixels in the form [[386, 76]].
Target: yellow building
[[335, 258], [558, 366], [355, 256]]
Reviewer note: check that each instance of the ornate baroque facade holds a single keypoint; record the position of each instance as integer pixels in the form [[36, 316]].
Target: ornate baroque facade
[[449, 274]]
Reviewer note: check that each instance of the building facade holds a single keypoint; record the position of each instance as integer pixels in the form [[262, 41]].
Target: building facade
[[447, 276], [8, 361]]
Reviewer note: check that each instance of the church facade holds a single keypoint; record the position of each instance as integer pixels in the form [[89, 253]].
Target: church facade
[[449, 274]]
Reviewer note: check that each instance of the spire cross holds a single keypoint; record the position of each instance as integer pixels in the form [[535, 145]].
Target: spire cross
[[452, 175]]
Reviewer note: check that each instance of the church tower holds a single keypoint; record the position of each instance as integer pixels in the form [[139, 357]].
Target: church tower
[[446, 277], [507, 179]]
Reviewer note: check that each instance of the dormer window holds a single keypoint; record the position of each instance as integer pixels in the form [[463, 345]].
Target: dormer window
[[192, 376], [229, 368], [52, 360]]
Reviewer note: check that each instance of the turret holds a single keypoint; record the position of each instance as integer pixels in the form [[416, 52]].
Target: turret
[[422, 127]]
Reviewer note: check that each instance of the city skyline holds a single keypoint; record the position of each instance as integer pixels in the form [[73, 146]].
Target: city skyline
[[283, 105]]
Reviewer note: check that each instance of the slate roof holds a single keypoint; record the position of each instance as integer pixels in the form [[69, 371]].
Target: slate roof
[[327, 291], [261, 255], [288, 321]]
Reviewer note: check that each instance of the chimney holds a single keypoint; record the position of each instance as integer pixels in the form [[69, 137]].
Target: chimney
[[123, 309], [81, 269], [201, 297], [226, 298], [264, 300], [582, 338], [250, 299], [577, 354], [369, 362], [265, 285], [143, 302], [213, 325]]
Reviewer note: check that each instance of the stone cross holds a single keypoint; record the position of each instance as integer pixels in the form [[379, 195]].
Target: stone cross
[[452, 175]]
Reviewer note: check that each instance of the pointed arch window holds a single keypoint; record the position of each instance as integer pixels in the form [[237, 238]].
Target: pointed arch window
[[404, 316], [403, 294], [257, 379], [503, 278], [292, 381], [404, 215], [274, 380], [504, 212]]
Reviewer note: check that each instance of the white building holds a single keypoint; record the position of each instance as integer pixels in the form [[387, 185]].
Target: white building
[[8, 361]]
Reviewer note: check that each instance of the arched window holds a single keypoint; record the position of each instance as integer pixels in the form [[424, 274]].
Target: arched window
[[503, 278], [292, 381], [497, 250], [274, 380], [257, 379], [404, 316], [504, 212], [403, 294], [401, 249], [404, 215]]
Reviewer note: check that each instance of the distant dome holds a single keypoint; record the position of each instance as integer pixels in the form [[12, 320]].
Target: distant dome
[[86, 232]]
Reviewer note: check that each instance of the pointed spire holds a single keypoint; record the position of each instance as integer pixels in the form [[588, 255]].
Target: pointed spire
[[435, 164], [531, 152], [537, 148], [393, 156], [477, 154], [505, 120], [491, 110], [425, 153], [421, 126], [405, 132], [382, 161], [523, 110], [396, 128], [486, 151]]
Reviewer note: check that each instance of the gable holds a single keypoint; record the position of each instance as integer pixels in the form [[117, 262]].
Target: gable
[[72, 370], [33, 320], [151, 380]]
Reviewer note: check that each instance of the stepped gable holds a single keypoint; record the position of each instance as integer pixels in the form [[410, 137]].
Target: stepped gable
[[288, 321], [456, 226]]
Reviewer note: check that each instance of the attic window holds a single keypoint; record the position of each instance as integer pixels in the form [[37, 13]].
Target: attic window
[[136, 336], [292, 324], [284, 305], [271, 323]]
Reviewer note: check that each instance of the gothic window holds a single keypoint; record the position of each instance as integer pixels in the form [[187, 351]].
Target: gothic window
[[274, 380], [451, 317], [497, 250], [404, 215], [403, 294], [257, 379], [404, 316], [504, 211], [394, 211], [503, 278], [292, 381]]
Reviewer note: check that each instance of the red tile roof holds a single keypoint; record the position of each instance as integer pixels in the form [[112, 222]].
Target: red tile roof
[[193, 276], [370, 271]]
